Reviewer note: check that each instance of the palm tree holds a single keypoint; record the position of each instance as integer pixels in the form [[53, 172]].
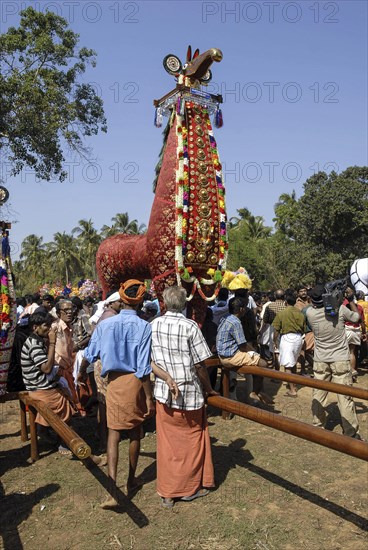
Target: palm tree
[[89, 240], [33, 255], [64, 252], [122, 224], [257, 229], [253, 224], [286, 213]]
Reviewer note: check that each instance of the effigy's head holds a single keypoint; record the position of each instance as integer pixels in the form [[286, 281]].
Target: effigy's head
[[196, 70]]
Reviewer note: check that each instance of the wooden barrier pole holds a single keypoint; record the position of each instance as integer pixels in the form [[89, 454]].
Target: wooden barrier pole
[[341, 443], [67, 434], [355, 391], [225, 391], [33, 433], [23, 421], [360, 393]]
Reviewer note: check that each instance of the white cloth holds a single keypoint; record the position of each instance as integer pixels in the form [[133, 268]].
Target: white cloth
[[251, 302], [77, 363], [97, 314], [113, 298], [353, 335], [290, 347]]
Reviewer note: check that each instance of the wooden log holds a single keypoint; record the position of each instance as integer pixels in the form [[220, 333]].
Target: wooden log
[[355, 391], [23, 421], [225, 391], [338, 442], [358, 392], [75, 443], [33, 433]]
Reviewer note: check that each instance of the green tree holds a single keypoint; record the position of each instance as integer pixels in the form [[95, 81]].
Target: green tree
[[254, 224], [33, 257], [319, 235], [63, 251], [122, 224], [247, 238], [286, 214], [43, 106], [88, 242]]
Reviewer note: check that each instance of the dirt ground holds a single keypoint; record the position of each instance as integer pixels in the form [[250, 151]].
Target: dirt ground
[[274, 491]]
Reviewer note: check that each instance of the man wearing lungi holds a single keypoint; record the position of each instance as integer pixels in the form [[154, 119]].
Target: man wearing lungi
[[184, 460], [234, 351], [37, 361], [291, 325], [123, 343]]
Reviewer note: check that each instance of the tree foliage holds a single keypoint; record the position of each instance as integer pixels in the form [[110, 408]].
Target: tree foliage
[[69, 257], [316, 237], [43, 106]]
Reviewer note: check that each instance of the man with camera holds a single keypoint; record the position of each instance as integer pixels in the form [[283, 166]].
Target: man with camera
[[331, 357]]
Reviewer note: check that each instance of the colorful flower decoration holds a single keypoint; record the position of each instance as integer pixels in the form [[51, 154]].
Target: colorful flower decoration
[[182, 212]]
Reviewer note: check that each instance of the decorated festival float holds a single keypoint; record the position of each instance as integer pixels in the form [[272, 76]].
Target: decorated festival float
[[8, 310], [186, 241]]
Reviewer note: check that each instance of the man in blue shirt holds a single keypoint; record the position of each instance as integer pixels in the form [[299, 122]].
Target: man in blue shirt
[[123, 343], [233, 350]]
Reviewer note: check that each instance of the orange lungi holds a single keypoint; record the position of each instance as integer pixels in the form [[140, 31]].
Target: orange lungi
[[125, 401], [184, 459], [56, 401]]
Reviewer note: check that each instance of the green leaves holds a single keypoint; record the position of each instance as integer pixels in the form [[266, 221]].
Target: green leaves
[[43, 106], [316, 237], [69, 256]]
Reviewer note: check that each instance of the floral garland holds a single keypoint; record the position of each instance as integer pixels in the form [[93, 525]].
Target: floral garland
[[182, 212], [223, 240], [5, 321], [88, 288]]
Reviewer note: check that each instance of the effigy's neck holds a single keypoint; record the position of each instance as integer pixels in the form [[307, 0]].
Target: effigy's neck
[[201, 240]]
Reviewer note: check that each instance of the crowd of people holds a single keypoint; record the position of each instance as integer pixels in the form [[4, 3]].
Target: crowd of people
[[123, 361]]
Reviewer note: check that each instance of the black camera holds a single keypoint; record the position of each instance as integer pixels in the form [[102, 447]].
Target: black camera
[[334, 296]]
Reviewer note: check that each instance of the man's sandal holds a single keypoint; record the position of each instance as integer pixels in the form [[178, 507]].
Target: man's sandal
[[200, 493], [167, 503]]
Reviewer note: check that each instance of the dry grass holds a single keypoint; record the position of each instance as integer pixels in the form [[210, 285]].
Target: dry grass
[[274, 492]]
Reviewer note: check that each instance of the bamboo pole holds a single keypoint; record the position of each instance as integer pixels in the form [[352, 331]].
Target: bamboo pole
[[67, 434], [341, 443]]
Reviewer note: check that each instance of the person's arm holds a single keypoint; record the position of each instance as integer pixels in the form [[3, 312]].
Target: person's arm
[[204, 379], [82, 344], [277, 328], [165, 376], [146, 383], [47, 366], [82, 374], [352, 314]]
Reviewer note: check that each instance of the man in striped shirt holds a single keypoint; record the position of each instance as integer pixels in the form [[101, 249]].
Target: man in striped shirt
[[37, 361]]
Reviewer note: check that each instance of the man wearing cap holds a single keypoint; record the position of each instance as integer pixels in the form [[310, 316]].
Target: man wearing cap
[[331, 359], [123, 343]]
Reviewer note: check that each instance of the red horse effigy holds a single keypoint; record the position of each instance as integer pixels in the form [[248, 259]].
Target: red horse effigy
[[186, 240]]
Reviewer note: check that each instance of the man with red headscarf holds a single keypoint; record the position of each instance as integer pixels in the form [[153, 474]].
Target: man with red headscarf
[[123, 343]]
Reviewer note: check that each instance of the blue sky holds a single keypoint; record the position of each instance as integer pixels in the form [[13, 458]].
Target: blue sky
[[294, 81]]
